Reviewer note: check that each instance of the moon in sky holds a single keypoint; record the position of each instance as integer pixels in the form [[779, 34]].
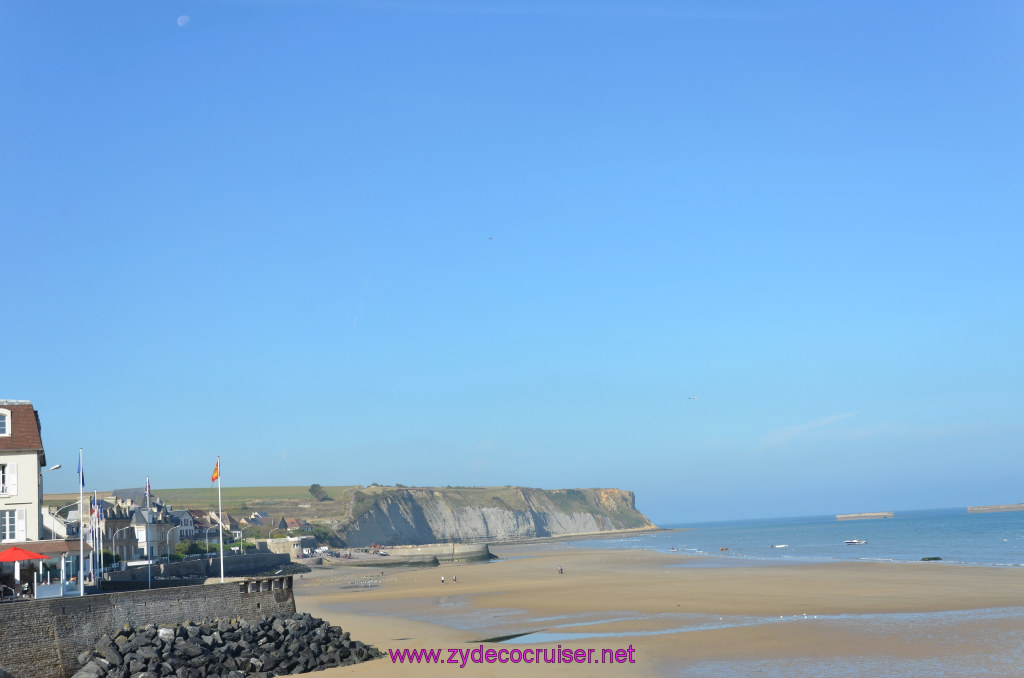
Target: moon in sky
[[182, 20]]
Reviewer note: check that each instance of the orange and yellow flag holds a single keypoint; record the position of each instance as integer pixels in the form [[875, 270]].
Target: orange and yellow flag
[[216, 472]]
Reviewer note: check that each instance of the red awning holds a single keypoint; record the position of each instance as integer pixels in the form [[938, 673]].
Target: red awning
[[15, 553]]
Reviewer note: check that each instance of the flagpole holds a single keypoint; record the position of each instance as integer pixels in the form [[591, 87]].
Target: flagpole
[[99, 528], [92, 536], [149, 552], [220, 514], [81, 527]]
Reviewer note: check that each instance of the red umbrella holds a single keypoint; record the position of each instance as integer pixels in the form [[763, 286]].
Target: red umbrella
[[14, 553]]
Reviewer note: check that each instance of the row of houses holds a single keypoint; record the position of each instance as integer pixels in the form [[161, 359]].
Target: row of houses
[[131, 530], [123, 523]]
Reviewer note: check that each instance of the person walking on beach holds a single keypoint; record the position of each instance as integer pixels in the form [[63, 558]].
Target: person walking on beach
[[455, 579], [442, 580], [560, 571]]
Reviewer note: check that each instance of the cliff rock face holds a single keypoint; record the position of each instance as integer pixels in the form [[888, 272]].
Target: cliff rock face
[[425, 516]]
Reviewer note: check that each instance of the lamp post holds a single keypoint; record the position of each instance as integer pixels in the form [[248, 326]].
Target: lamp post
[[47, 470], [208, 530], [114, 537], [167, 537], [41, 472], [247, 527], [56, 514]]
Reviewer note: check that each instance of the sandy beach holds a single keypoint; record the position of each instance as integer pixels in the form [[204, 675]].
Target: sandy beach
[[680, 616]]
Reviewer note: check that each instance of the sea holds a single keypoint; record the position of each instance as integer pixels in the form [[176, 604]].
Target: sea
[[952, 535], [955, 536]]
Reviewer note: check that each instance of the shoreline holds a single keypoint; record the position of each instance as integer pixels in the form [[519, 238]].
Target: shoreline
[[712, 620], [402, 555]]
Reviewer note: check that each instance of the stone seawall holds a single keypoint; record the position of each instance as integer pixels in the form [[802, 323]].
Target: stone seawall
[[995, 508], [865, 516], [234, 566], [43, 638], [459, 553], [426, 555]]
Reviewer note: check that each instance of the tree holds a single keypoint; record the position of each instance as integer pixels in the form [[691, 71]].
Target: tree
[[319, 493], [325, 535], [189, 548]]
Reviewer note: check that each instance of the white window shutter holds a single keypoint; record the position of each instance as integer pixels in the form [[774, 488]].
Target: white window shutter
[[19, 525], [12, 479]]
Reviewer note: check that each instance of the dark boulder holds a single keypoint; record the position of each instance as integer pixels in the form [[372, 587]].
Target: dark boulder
[[269, 646]]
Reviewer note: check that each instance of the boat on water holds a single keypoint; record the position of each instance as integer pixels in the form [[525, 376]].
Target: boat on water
[[854, 542], [779, 546]]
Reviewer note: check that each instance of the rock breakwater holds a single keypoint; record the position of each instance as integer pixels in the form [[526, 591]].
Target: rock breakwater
[[271, 646]]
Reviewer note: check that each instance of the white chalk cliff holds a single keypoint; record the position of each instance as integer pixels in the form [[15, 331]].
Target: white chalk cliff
[[432, 515]]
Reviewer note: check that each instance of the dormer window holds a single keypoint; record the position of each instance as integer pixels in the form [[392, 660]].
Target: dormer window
[[5, 423]]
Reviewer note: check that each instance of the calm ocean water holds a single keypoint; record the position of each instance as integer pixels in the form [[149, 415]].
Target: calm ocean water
[[992, 539], [990, 641]]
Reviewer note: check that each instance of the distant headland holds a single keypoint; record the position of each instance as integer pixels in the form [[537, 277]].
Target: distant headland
[[359, 516]]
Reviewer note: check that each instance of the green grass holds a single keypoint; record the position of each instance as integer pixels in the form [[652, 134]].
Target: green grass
[[290, 501]]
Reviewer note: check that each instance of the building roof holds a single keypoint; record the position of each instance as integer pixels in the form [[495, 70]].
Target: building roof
[[49, 547], [156, 516], [25, 429], [228, 520], [118, 512], [201, 520]]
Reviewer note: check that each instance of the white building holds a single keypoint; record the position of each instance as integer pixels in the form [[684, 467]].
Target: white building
[[154, 532], [22, 461], [186, 525]]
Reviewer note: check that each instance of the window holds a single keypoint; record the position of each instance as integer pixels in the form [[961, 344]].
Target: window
[[8, 525], [5, 422], [12, 525], [8, 479]]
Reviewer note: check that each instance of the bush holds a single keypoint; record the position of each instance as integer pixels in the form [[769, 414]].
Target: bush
[[325, 535], [318, 492]]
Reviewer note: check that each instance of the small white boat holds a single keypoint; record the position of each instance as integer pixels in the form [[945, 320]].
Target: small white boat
[[855, 542], [779, 546]]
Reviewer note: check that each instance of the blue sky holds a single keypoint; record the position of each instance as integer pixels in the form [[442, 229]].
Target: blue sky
[[488, 243]]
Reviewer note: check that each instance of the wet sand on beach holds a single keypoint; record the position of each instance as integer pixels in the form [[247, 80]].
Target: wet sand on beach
[[850, 618]]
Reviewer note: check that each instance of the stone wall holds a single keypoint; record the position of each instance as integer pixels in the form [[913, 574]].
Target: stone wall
[[234, 566], [43, 638], [459, 553]]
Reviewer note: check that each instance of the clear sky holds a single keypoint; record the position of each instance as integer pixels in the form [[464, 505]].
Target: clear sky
[[477, 242]]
